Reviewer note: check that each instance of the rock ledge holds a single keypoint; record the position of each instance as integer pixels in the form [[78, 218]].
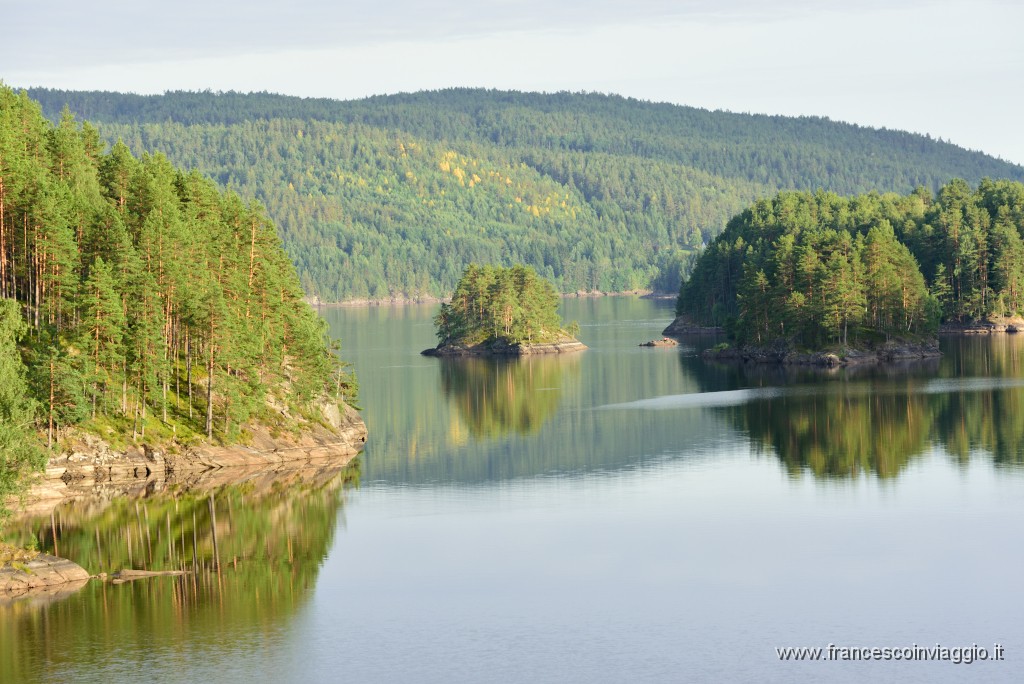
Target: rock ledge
[[44, 576], [889, 353], [504, 349], [91, 465]]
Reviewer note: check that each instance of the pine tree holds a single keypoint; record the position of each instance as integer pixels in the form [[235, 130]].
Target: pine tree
[[103, 329], [20, 453], [138, 283]]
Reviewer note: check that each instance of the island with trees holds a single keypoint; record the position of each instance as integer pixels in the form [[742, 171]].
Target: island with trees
[[815, 277], [147, 317], [497, 311]]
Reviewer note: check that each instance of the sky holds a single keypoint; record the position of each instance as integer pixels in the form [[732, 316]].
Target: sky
[[953, 69]]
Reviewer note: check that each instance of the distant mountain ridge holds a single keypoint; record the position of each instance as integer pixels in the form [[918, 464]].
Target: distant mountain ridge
[[391, 196]]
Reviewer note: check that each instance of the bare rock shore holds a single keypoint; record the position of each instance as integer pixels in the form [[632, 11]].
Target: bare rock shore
[[91, 466], [663, 342], [565, 346], [44, 577], [889, 353], [984, 327]]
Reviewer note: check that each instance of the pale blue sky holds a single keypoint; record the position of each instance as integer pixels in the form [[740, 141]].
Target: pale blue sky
[[950, 68]]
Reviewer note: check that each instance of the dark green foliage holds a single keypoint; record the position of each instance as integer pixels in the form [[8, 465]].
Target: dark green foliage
[[491, 303], [57, 381], [969, 241], [819, 268], [20, 452], [156, 304], [816, 269], [395, 195]]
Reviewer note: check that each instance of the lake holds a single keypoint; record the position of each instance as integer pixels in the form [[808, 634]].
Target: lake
[[624, 514]]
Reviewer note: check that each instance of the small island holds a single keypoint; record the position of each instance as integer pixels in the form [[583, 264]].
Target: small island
[[663, 342], [498, 311]]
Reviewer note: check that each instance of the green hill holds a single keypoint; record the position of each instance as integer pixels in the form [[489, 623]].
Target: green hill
[[395, 195]]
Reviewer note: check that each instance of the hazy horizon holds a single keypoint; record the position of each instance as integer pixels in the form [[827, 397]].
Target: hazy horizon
[[948, 69]]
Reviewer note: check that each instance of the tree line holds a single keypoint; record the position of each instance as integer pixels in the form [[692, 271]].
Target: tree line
[[393, 196], [818, 269], [139, 299]]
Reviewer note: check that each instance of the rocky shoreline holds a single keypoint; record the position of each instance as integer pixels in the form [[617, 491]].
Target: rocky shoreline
[[984, 327], [887, 353], [90, 468], [504, 349], [90, 464]]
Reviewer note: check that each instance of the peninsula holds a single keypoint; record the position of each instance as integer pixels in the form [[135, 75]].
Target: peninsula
[[818, 278]]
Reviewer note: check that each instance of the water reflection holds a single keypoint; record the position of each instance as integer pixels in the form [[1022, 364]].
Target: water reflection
[[477, 421], [497, 396], [876, 419], [839, 434], [252, 552]]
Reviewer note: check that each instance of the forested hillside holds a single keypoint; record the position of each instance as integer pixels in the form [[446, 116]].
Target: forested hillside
[[139, 299], [395, 195], [819, 268]]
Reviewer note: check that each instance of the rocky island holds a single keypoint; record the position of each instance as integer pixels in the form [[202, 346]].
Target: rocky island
[[502, 312], [663, 342]]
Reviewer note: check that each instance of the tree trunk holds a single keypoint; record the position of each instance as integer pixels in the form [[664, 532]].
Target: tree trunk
[[3, 242], [188, 368], [49, 430], [209, 395]]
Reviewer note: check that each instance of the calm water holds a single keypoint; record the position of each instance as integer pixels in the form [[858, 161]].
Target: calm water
[[626, 514]]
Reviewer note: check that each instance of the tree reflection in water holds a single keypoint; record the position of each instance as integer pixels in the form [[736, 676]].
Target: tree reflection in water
[[497, 396], [842, 423], [252, 552]]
